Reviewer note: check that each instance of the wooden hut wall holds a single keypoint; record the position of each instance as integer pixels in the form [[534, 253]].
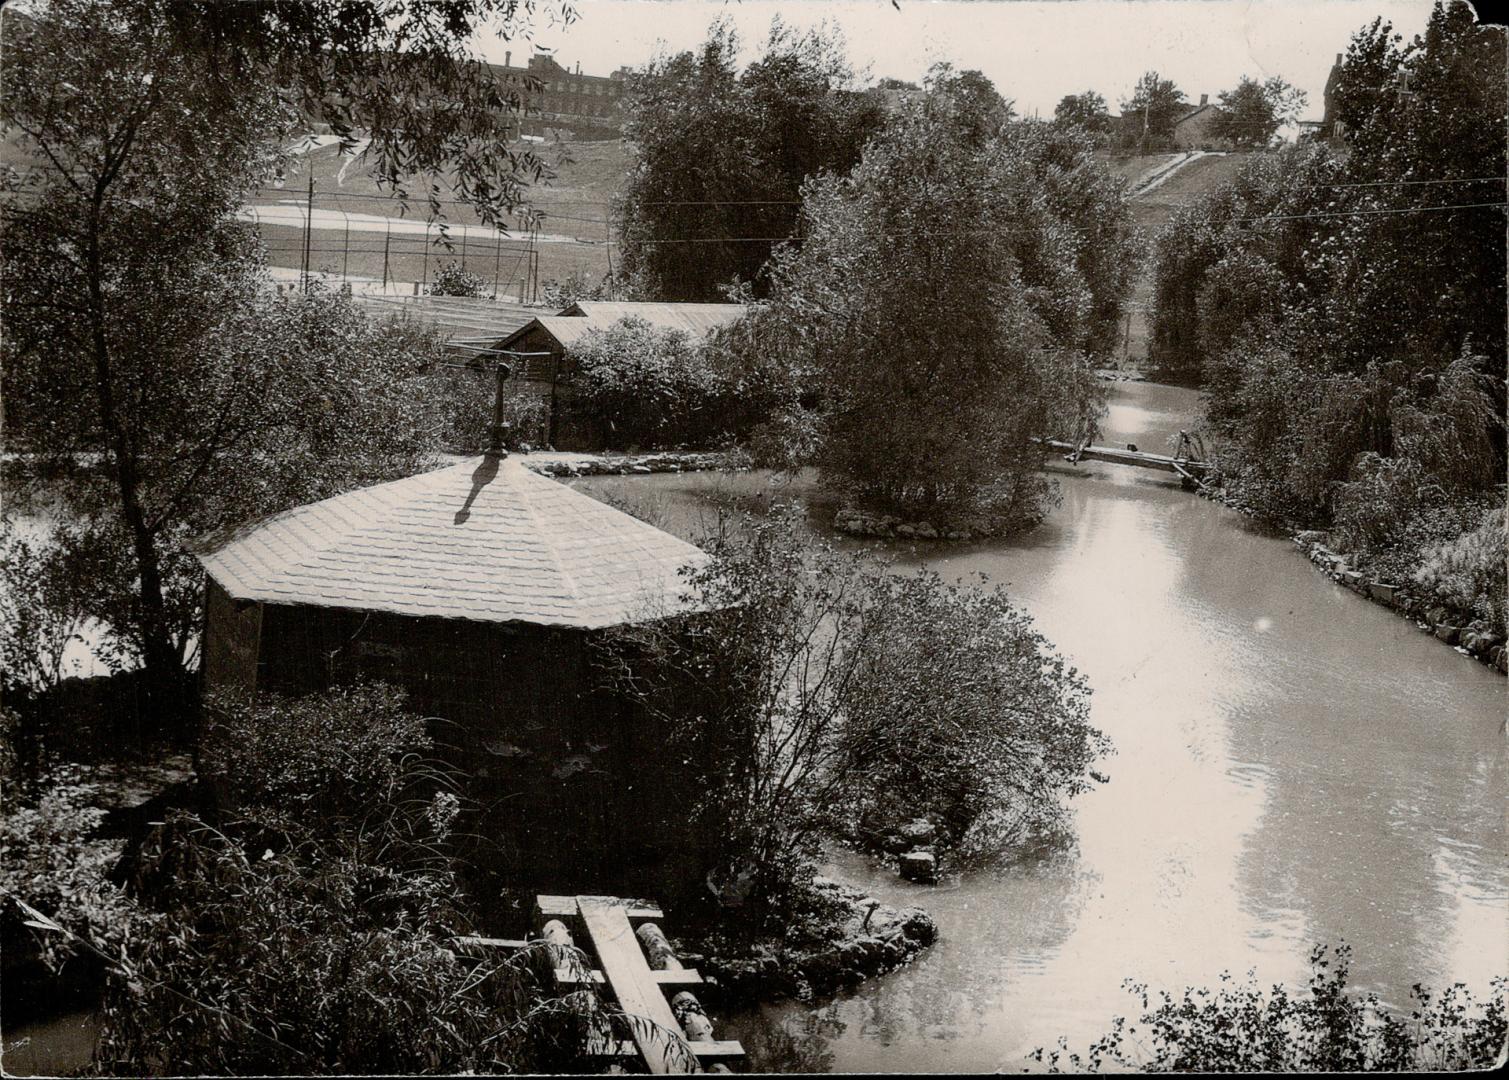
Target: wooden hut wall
[[580, 790], [233, 629]]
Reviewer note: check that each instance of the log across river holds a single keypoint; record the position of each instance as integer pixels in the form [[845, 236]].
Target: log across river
[[1294, 765]]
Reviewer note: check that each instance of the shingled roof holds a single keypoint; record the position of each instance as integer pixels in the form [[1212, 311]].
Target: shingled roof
[[486, 540], [585, 316]]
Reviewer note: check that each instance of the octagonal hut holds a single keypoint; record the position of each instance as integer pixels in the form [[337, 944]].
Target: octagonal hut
[[480, 589]]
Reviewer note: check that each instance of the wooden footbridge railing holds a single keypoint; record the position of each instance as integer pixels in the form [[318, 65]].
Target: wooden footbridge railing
[[666, 1026]]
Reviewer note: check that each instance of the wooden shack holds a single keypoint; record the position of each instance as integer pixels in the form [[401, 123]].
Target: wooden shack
[[481, 590], [541, 346]]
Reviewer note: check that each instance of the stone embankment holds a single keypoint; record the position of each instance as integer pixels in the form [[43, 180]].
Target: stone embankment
[[1471, 636], [1467, 635], [626, 464], [853, 522], [869, 939]]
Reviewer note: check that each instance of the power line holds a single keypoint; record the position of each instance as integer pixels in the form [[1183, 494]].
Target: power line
[[1006, 232], [1368, 213]]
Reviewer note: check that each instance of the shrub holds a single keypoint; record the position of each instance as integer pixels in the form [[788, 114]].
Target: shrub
[[335, 955], [465, 399], [323, 758], [453, 279], [51, 859], [1468, 573], [960, 711], [318, 933], [817, 690], [1237, 1028], [641, 385]]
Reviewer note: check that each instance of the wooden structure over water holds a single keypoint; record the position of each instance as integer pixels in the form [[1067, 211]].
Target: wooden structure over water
[[1190, 470], [665, 1027]]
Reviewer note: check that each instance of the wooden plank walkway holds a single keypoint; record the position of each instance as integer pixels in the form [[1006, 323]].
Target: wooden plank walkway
[[1139, 458], [643, 994], [639, 995]]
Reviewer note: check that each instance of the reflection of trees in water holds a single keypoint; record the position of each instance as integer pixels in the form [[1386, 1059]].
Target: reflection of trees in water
[[786, 1039], [993, 924]]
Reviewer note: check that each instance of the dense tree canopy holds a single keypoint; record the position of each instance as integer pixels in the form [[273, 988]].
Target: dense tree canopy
[[1149, 115], [947, 298], [1086, 110], [720, 157], [1251, 114], [1347, 309], [978, 108]]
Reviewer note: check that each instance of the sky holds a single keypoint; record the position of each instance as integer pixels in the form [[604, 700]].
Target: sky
[[1034, 52]]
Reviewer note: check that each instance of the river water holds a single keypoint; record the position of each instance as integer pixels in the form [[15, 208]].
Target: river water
[[1294, 765]]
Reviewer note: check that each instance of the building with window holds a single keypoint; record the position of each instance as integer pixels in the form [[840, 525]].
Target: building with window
[[560, 100]]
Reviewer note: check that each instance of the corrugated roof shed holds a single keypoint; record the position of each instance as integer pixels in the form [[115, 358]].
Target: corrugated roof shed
[[486, 540]]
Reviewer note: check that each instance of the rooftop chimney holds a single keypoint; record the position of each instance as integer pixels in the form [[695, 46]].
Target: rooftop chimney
[[508, 58], [499, 428], [1204, 99]]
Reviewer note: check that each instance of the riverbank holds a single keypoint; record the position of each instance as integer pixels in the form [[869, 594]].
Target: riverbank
[[562, 464], [843, 937], [1466, 634]]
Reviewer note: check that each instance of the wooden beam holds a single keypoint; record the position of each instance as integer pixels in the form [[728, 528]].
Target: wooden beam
[[639, 995], [565, 907], [490, 942], [1138, 458], [714, 1050], [565, 976], [675, 979]]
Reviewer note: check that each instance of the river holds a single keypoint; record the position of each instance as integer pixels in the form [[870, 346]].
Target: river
[[1294, 765]]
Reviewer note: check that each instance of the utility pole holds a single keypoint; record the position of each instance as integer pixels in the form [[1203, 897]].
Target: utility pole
[[308, 225]]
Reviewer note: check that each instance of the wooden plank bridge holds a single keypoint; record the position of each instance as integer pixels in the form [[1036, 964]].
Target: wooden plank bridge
[[1190, 470], [667, 1029]]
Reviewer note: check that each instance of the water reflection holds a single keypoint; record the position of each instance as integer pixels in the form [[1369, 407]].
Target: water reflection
[[1294, 765]]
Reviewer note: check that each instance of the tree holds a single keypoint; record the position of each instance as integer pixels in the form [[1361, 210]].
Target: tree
[[1251, 115], [1086, 110], [1338, 304], [979, 110], [139, 325], [1149, 115], [819, 694], [754, 137], [940, 301]]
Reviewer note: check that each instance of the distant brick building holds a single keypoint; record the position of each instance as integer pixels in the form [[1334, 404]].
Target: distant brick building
[[1192, 131], [1332, 128], [583, 106]]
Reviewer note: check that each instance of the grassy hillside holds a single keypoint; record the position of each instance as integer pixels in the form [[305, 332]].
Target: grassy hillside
[[572, 198], [1152, 213]]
